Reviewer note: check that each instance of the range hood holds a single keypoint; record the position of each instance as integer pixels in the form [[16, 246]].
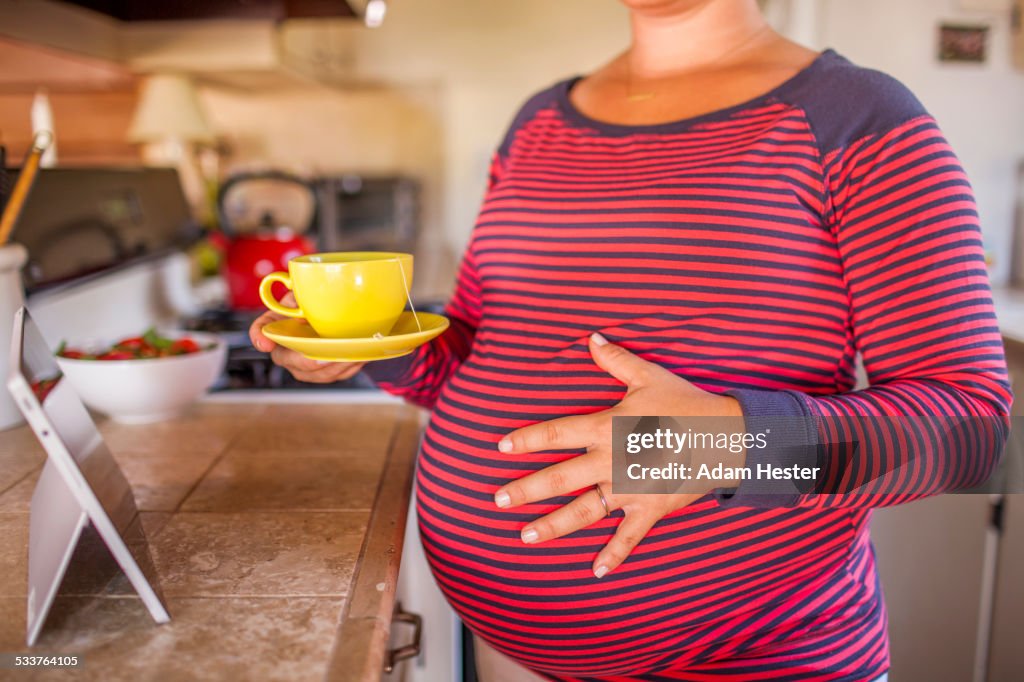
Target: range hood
[[193, 10]]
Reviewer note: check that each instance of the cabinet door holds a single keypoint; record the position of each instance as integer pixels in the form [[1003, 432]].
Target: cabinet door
[[1006, 662], [440, 659], [931, 559], [1006, 652]]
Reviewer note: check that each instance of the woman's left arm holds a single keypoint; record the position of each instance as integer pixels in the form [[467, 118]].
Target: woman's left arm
[[906, 225]]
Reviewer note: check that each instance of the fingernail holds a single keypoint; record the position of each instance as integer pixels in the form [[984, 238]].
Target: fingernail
[[601, 571], [505, 445], [261, 346], [502, 499], [529, 535], [598, 339], [324, 362]]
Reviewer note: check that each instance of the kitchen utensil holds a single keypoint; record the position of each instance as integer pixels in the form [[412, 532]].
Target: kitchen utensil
[[411, 331], [353, 294], [23, 186], [42, 123], [143, 391], [248, 257], [12, 259]]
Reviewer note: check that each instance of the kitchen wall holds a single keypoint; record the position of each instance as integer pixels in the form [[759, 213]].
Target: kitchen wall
[[980, 107], [487, 58], [481, 60], [429, 94], [436, 86], [313, 129], [438, 83]]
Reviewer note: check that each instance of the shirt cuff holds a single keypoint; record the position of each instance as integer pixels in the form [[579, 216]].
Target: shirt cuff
[[391, 372], [792, 440]]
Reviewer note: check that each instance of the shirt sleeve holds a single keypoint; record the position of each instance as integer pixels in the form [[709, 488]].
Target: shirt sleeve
[[418, 377], [904, 219]]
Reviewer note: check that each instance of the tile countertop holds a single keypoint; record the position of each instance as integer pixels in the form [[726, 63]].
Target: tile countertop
[[276, 531]]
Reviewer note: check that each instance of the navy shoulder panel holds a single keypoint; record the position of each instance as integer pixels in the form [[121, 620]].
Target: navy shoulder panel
[[846, 102]]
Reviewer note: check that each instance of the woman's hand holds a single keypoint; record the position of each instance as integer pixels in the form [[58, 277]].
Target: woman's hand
[[652, 391], [301, 367]]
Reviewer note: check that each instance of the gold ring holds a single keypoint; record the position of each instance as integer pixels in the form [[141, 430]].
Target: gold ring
[[604, 500]]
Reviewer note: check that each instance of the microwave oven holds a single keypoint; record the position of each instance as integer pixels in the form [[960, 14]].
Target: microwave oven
[[368, 213]]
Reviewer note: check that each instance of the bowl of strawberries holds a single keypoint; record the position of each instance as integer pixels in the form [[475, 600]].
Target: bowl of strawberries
[[145, 378]]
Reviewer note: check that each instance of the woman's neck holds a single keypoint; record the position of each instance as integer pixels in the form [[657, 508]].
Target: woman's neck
[[676, 39]]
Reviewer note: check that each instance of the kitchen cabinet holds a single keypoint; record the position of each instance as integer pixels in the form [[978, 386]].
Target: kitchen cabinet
[[932, 563], [62, 27], [92, 101], [1006, 656], [184, 10], [440, 657]]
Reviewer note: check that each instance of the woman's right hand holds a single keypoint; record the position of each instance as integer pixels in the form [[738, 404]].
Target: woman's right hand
[[301, 367]]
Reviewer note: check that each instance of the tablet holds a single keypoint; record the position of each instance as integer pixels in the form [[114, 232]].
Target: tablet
[[81, 485]]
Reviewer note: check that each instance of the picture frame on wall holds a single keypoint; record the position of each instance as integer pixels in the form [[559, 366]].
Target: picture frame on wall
[[964, 43]]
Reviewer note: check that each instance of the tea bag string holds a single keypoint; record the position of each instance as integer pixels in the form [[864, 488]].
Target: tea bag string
[[408, 295]]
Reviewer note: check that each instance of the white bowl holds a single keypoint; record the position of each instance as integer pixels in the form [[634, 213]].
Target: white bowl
[[149, 390]]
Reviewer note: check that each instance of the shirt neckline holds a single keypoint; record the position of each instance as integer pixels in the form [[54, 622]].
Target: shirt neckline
[[574, 114]]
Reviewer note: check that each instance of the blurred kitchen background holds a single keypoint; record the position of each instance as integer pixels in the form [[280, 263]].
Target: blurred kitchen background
[[371, 124]]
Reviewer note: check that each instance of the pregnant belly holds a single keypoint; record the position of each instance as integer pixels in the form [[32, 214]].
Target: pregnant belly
[[707, 584]]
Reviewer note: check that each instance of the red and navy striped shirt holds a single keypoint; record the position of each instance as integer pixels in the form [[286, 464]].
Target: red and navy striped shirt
[[755, 250]]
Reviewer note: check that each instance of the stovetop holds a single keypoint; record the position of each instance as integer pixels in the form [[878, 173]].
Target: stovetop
[[248, 368]]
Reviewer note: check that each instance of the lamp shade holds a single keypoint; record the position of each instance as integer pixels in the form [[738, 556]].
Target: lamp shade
[[169, 108]]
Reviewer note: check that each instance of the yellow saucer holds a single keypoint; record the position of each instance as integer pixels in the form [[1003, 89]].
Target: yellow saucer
[[403, 339]]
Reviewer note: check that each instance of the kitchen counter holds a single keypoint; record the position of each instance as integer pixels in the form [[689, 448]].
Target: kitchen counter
[[276, 532]]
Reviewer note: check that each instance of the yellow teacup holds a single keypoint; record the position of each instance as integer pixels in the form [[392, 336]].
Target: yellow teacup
[[345, 295]]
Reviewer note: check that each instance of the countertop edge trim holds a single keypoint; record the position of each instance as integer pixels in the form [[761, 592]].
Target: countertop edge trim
[[362, 639]]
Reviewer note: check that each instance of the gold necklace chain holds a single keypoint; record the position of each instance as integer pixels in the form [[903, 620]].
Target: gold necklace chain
[[643, 96]]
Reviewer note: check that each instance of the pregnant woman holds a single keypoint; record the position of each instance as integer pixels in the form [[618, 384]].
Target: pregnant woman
[[714, 223]]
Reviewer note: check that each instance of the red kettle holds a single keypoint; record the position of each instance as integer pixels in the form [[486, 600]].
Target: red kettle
[[268, 244]]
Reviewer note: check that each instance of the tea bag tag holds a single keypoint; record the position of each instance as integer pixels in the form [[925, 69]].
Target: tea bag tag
[[408, 295]]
